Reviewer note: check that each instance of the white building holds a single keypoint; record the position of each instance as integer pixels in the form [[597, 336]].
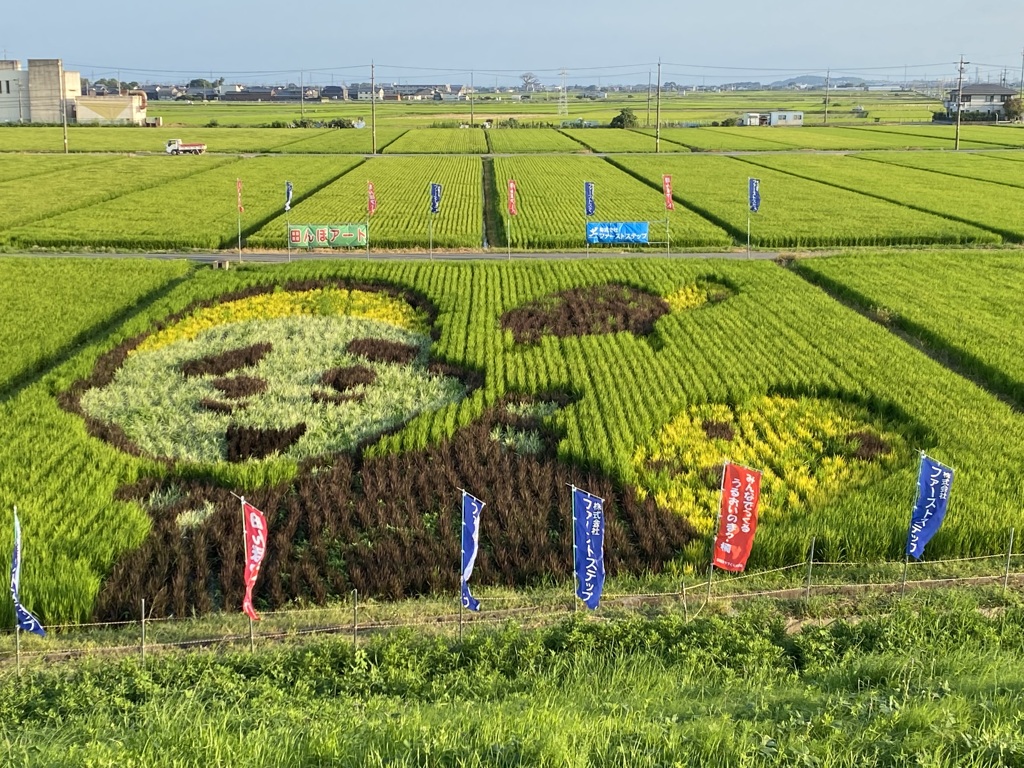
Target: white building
[[37, 94]]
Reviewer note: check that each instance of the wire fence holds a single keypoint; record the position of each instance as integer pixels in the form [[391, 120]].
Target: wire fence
[[359, 620]]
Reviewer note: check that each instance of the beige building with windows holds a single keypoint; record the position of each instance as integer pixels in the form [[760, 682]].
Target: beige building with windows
[[41, 92]]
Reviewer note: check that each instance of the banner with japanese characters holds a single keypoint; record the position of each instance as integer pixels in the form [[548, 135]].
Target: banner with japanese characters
[[737, 522]]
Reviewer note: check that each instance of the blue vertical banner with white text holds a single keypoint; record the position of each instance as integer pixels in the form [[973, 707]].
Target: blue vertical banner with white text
[[471, 507], [754, 193], [588, 546], [934, 482], [589, 206], [435, 197], [23, 618]]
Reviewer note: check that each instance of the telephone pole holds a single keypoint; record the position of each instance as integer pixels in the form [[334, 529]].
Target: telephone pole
[[828, 78], [373, 112], [1021, 96], [657, 116], [472, 120], [959, 99], [649, 96]]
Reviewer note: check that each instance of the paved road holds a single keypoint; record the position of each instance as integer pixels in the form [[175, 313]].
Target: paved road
[[276, 257]]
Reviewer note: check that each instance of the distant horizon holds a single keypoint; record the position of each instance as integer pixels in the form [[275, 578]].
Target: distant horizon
[[264, 42]]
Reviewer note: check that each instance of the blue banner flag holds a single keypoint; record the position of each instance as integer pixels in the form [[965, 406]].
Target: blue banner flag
[[287, 195], [24, 620], [588, 198], [435, 197], [588, 546], [754, 192], [617, 231], [934, 482], [471, 507]]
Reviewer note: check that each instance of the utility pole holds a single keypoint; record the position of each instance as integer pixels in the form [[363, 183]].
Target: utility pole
[[657, 116], [1021, 96], [828, 79], [959, 99], [373, 112], [649, 98], [302, 97], [63, 105], [472, 120]]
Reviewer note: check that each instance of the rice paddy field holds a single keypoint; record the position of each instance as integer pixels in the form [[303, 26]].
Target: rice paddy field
[[634, 378], [810, 200]]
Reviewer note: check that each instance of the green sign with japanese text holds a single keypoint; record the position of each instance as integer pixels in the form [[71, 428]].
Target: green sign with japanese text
[[327, 235]]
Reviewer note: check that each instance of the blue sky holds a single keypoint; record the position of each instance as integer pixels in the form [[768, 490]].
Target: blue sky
[[610, 41]]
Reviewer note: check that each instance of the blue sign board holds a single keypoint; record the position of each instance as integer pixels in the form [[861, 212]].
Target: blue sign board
[[617, 231]]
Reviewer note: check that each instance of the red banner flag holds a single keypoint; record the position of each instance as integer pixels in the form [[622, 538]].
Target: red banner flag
[[741, 493], [371, 199], [666, 183], [255, 548], [238, 186], [512, 209]]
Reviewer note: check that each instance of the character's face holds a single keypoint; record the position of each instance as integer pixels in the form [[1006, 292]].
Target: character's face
[[235, 382]]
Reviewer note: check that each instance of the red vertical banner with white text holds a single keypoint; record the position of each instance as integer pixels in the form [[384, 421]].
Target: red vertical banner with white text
[[513, 209], [255, 549], [666, 185], [741, 494], [371, 199]]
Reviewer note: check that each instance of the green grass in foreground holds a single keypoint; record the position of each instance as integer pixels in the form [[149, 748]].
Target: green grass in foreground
[[934, 682]]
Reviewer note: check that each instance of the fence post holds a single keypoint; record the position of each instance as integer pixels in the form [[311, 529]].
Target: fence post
[[1009, 554], [810, 565], [355, 615], [143, 632]]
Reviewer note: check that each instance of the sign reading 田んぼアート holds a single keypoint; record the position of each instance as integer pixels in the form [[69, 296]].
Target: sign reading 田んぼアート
[[327, 235]]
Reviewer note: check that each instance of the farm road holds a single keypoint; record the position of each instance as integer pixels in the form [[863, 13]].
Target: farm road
[[274, 257]]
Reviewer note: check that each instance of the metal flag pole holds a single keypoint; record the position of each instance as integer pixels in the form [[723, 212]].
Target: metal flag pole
[[462, 558], [1009, 554], [906, 546], [17, 626], [748, 231], [367, 236], [430, 230], [572, 523], [508, 237], [718, 521], [355, 619], [668, 238]]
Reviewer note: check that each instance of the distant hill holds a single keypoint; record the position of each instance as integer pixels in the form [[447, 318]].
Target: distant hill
[[816, 81]]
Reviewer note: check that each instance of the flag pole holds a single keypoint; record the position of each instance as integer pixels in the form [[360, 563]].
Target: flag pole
[[718, 521], [572, 523], [17, 625], [1009, 555], [462, 557], [252, 640]]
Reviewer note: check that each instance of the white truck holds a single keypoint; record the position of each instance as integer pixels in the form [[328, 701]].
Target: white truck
[[178, 147]]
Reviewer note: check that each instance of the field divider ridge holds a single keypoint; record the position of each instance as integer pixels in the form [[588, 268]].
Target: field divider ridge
[[252, 229], [955, 359], [737, 235], [1006, 234]]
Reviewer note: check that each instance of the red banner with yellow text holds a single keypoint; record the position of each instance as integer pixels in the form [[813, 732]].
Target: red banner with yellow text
[[255, 549], [741, 493]]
